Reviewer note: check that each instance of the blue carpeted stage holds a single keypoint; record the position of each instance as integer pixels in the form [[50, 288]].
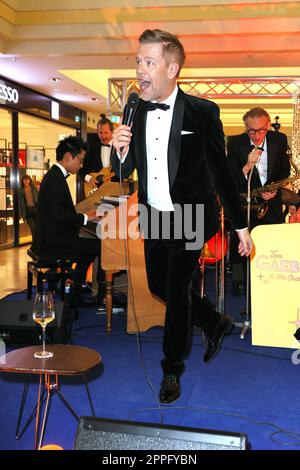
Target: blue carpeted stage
[[245, 389]]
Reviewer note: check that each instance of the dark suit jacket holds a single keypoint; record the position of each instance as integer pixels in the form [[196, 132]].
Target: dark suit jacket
[[92, 161], [58, 223], [239, 148], [197, 162]]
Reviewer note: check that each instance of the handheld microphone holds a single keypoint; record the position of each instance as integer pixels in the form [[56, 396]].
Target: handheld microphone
[[129, 111]]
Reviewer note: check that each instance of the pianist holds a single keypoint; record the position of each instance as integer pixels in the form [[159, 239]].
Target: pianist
[[58, 223]]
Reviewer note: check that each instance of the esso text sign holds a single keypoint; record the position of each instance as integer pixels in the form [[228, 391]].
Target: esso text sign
[[8, 94]]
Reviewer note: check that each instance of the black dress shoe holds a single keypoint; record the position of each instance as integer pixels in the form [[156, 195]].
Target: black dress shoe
[[215, 337], [169, 389]]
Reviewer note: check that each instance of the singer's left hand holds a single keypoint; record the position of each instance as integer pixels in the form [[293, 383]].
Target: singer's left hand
[[246, 244], [268, 195]]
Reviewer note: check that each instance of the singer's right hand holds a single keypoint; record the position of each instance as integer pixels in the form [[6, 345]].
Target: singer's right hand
[[121, 138]]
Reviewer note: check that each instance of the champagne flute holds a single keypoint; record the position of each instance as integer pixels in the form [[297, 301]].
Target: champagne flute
[[43, 313]]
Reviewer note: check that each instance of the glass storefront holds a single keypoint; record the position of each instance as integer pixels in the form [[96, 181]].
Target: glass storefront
[[37, 143], [27, 147], [6, 198]]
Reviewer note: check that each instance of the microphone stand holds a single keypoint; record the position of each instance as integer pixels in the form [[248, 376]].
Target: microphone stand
[[220, 267], [247, 323]]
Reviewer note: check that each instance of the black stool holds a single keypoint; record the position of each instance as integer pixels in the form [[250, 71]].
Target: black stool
[[39, 267]]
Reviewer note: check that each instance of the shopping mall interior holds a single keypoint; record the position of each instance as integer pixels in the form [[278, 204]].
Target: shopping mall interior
[[62, 65]]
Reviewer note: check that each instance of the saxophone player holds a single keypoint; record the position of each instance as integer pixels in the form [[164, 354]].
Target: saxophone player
[[265, 153]]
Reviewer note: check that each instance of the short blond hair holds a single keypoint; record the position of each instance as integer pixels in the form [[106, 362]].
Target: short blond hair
[[171, 45]]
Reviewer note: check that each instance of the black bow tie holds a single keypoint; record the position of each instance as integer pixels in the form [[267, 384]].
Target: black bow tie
[[105, 145], [150, 106], [257, 148]]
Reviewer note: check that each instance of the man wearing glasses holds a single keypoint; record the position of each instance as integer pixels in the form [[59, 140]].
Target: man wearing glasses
[[265, 152]]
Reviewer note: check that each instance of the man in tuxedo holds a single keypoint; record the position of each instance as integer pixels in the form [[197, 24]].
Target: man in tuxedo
[[58, 223], [263, 152], [99, 154], [180, 158]]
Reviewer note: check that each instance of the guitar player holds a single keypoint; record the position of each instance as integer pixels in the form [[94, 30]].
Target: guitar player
[[97, 162], [266, 152], [97, 159]]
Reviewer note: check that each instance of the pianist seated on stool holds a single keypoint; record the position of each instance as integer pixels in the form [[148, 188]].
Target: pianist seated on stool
[[58, 223]]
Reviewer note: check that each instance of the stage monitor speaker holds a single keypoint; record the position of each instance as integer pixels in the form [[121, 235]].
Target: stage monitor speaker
[[105, 434], [18, 328]]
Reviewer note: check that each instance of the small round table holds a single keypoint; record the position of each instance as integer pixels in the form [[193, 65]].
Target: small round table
[[67, 360]]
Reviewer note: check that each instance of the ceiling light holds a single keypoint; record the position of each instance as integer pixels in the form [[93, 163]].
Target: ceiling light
[[54, 79]]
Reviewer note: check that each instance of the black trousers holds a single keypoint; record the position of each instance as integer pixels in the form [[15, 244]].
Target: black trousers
[[173, 275], [31, 218], [85, 250]]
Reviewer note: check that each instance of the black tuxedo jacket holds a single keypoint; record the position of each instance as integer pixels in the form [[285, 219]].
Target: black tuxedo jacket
[[58, 223], [92, 161], [239, 148], [197, 163]]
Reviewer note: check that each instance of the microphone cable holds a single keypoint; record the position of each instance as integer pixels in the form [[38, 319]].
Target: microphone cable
[[131, 300], [293, 435]]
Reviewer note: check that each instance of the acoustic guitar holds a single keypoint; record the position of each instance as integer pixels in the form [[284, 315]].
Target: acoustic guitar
[[104, 175]]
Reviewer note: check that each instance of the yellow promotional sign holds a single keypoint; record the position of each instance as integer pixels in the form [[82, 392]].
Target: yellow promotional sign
[[275, 285]]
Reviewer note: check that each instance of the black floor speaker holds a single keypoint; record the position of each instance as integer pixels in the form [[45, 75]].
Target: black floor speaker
[[105, 434], [18, 328]]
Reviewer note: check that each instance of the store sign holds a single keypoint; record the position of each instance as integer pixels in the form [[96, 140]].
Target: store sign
[[54, 110], [13, 95], [8, 94]]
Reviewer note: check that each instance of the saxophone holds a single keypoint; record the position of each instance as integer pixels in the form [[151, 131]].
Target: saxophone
[[276, 185], [261, 209]]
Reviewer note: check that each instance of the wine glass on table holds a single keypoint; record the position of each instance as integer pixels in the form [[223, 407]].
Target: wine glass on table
[[43, 313]]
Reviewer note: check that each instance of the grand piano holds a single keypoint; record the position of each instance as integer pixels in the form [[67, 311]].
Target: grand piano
[[121, 252]]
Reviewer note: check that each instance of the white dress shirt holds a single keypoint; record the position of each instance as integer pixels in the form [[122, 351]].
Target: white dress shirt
[[262, 163], [158, 127], [105, 155]]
